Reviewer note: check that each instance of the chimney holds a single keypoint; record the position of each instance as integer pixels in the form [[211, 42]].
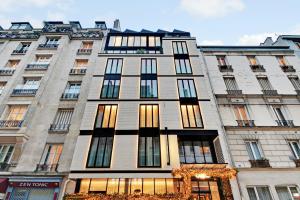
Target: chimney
[[117, 25]]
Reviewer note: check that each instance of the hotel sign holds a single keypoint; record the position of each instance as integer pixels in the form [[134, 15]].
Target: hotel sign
[[34, 184]]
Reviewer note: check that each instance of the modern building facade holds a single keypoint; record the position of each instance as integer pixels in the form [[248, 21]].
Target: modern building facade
[[257, 93]]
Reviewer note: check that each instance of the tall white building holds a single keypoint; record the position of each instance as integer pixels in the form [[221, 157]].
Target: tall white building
[[257, 93]]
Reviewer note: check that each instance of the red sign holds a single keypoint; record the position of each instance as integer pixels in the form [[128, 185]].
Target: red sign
[[35, 184]]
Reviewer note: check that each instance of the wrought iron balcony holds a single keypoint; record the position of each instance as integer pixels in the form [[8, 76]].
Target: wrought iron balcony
[[78, 71], [59, 127], [225, 68], [270, 92], [245, 123], [84, 51], [234, 92], [70, 96], [257, 68], [47, 46], [261, 163], [19, 51], [11, 123], [287, 68], [4, 166], [6, 71], [46, 168], [37, 66], [24, 91], [289, 123]]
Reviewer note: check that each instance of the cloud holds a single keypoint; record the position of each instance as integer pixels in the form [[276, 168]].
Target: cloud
[[256, 39], [211, 8], [211, 42]]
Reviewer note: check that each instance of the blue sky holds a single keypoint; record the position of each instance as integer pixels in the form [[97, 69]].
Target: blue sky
[[230, 22]]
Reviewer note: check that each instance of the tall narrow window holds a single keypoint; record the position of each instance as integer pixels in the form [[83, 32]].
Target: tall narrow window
[[16, 112], [288, 192], [186, 88], [100, 152], [106, 116], [280, 115], [114, 66], [110, 88], [191, 116], [259, 193], [52, 41], [222, 60], [50, 157], [62, 120], [240, 112], [180, 47], [6, 151], [183, 66], [195, 151], [253, 150], [149, 117], [12, 63], [149, 151], [231, 83], [252, 60], [72, 90], [295, 147], [23, 47], [281, 60], [148, 78], [2, 86], [87, 45]]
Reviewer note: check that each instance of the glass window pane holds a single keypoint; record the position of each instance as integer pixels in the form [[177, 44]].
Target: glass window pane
[[155, 116], [100, 152], [283, 193], [177, 66], [149, 116], [198, 152], [170, 185], [206, 151], [256, 151], [142, 156], [98, 185], [189, 152], [105, 121], [143, 66], [156, 147], [113, 186], [108, 150], [136, 186], [118, 41], [92, 154], [142, 115], [149, 151], [157, 41], [251, 193], [143, 41], [151, 41], [112, 41], [184, 116], [130, 41], [113, 115], [160, 186], [263, 193], [183, 66], [198, 116], [148, 186], [137, 41], [84, 186], [175, 50], [191, 116]]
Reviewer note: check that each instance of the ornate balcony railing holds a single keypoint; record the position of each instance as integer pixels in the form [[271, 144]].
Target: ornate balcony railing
[[37, 66], [59, 127], [46, 167], [234, 92], [225, 68], [78, 71], [288, 68], [10, 123], [24, 92], [70, 96], [262, 163], [270, 92], [84, 51], [47, 46], [285, 123], [245, 123], [257, 68], [4, 166], [20, 51], [7, 71]]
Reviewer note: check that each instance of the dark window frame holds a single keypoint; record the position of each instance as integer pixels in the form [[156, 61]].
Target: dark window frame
[[109, 116], [145, 117], [115, 87], [182, 42], [189, 88], [182, 120], [145, 151], [112, 59]]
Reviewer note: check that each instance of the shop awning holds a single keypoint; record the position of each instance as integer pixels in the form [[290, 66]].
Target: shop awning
[[3, 185]]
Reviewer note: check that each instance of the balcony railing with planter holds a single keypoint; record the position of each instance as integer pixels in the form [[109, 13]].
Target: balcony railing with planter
[[257, 68], [234, 92], [11, 123], [225, 68], [270, 92], [46, 167], [70, 96], [78, 71], [289, 123], [59, 127], [6, 71], [4, 167], [84, 51], [37, 66], [297, 162], [287, 68], [262, 163], [47, 46], [21, 52], [245, 123], [23, 90]]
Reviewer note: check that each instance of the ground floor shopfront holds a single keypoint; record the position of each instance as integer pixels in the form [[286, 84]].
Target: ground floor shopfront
[[23, 188]]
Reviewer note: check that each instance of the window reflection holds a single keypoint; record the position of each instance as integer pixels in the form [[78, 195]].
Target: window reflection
[[149, 116]]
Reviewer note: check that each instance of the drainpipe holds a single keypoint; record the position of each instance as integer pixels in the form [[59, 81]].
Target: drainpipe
[[64, 187], [222, 125]]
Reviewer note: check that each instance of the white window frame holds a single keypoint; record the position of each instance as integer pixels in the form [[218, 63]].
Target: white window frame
[[1, 149], [255, 157], [288, 188], [256, 193], [45, 159], [293, 148]]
